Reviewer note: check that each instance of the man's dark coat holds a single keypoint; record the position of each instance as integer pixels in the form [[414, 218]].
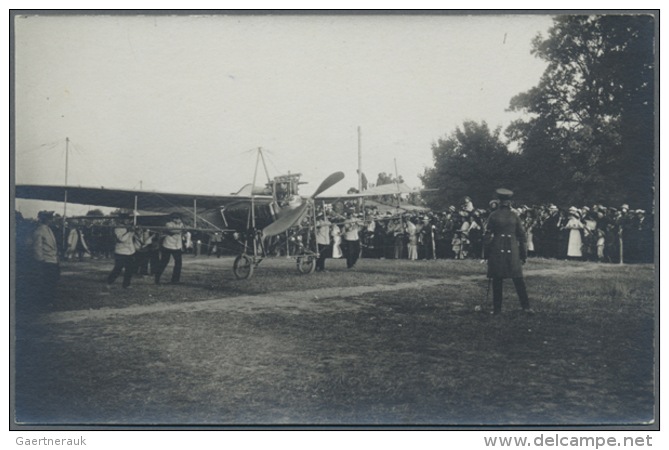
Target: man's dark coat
[[508, 246]]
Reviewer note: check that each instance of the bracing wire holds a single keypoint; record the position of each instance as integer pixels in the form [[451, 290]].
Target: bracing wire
[[184, 209], [75, 179], [50, 145], [31, 159], [22, 160], [88, 164], [72, 168], [271, 161]]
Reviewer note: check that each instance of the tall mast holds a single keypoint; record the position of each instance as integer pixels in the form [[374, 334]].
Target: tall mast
[[67, 153], [397, 184], [252, 215], [360, 200], [359, 162]]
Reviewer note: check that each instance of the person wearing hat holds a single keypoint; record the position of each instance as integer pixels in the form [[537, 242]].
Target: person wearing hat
[[610, 225], [426, 245], [171, 248], [322, 241], [636, 237], [444, 235], [45, 253], [475, 233], [460, 241], [506, 239], [550, 233], [124, 252], [396, 234], [467, 205], [352, 226], [630, 236], [335, 232], [646, 236], [589, 219], [575, 227], [147, 255], [412, 234], [379, 238]]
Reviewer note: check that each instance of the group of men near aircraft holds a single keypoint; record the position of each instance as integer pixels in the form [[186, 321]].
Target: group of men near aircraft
[[129, 242]]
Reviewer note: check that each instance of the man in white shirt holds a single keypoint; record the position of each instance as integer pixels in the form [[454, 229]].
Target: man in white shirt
[[45, 253], [352, 227], [323, 241], [124, 252], [172, 247]]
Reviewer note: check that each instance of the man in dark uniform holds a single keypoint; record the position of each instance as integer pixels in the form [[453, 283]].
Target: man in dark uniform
[[550, 232], [507, 242]]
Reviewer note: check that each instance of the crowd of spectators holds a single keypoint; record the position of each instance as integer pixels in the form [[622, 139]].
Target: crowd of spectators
[[589, 233]]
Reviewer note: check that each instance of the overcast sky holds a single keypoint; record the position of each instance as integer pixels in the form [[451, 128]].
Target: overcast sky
[[180, 103]]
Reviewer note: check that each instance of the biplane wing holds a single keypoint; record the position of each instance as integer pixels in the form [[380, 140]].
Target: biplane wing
[[134, 199], [207, 208], [376, 191]]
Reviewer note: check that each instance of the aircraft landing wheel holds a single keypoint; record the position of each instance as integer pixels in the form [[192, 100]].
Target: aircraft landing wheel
[[306, 264], [243, 267]]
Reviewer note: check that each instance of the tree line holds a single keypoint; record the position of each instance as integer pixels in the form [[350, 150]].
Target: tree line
[[587, 135]]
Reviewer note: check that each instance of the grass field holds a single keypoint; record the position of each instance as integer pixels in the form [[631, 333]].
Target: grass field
[[284, 348]]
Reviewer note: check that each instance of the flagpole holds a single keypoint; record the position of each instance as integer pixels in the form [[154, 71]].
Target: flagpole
[[360, 200], [397, 184], [67, 153], [399, 207]]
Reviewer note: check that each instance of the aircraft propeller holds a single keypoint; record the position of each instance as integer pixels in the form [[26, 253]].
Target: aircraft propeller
[[295, 215]]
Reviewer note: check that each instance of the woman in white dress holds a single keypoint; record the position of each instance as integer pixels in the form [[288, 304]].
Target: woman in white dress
[[461, 237], [575, 241], [412, 231], [530, 222], [336, 241]]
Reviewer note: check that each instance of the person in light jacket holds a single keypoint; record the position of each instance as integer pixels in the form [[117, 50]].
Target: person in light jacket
[[124, 252], [352, 226], [172, 247], [45, 254], [322, 241]]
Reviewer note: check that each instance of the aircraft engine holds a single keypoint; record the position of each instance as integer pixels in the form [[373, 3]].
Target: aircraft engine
[[294, 201]]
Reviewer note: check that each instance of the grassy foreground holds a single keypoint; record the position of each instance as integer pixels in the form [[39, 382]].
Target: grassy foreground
[[424, 355]]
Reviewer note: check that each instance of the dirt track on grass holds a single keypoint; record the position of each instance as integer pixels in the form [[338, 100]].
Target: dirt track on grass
[[315, 300]]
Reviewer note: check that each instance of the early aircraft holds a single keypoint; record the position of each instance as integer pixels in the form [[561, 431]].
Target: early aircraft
[[264, 220]]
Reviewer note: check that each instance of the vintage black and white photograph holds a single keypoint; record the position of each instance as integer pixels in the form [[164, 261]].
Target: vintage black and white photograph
[[334, 219]]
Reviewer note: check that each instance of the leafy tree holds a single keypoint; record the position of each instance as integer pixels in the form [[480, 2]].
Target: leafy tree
[[95, 212], [473, 161], [589, 137]]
